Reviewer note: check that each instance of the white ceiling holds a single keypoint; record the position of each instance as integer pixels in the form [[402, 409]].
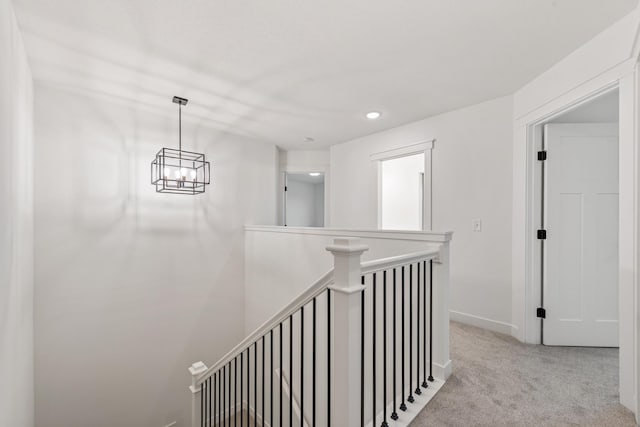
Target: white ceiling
[[283, 70], [305, 177]]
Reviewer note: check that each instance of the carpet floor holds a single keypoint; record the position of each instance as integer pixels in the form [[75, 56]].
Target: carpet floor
[[498, 381]]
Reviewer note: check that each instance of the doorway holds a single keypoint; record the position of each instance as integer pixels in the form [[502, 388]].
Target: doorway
[[402, 193], [578, 233], [304, 195]]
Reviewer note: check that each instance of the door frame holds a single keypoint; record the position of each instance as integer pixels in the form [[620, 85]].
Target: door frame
[[526, 253], [283, 190]]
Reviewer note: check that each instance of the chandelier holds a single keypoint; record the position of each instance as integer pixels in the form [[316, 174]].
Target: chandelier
[[178, 171]]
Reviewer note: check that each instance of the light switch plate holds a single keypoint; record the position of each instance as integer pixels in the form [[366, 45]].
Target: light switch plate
[[476, 224]]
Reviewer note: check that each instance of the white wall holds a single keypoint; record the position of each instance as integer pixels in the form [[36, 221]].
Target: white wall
[[16, 226], [134, 286], [471, 179]]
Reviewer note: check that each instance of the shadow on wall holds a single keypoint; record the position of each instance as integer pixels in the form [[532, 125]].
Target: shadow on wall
[[125, 275], [133, 77]]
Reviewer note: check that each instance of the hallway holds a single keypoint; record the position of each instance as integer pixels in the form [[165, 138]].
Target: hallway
[[498, 381]]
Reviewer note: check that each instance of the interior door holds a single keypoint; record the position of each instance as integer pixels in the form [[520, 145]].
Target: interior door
[[580, 279]]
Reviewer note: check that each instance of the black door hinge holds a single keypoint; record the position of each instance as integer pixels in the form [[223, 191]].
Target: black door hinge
[[541, 313], [542, 155], [542, 234], [285, 188]]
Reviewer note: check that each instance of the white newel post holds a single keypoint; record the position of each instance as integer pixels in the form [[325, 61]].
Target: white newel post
[[195, 370], [345, 345], [441, 361]]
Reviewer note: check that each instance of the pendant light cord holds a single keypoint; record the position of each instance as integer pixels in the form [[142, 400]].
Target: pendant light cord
[[180, 134]]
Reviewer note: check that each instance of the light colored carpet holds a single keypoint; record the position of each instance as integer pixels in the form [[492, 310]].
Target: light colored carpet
[[498, 381]]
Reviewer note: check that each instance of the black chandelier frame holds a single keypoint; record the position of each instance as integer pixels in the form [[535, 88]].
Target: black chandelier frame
[[180, 171]]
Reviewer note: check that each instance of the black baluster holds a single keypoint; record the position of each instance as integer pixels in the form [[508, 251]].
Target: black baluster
[[418, 391], [235, 391], [202, 405], [291, 369], [328, 358], [263, 411], [384, 349], [271, 377], [224, 384], [313, 366], [220, 377], [248, 386], [302, 366], [362, 354], [255, 384], [215, 400], [403, 407], [410, 397], [241, 389], [394, 414], [430, 320], [209, 390], [373, 355], [216, 394], [281, 423], [424, 325]]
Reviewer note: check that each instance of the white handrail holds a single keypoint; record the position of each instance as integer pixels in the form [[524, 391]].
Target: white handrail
[[304, 298], [307, 296], [398, 261]]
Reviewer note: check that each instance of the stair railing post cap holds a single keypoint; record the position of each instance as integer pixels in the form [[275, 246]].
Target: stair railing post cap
[[197, 368], [348, 245]]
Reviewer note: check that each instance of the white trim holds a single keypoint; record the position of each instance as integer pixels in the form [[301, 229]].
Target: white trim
[[407, 150], [576, 94], [427, 198], [482, 322], [425, 236]]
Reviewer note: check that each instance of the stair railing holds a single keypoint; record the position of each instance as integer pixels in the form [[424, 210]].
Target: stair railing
[[351, 350]]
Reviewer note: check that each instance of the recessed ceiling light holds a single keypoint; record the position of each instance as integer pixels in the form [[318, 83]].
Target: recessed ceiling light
[[308, 139], [314, 173], [372, 115]]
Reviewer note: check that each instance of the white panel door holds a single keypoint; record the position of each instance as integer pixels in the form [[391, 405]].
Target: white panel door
[[581, 249]]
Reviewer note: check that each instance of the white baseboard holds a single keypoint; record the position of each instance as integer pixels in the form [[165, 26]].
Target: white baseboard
[[482, 322]]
